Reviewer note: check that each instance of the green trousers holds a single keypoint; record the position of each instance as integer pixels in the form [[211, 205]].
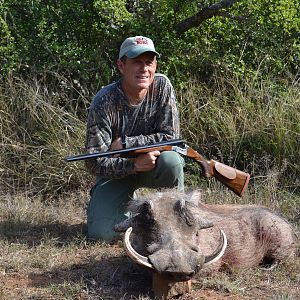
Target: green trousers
[[109, 197]]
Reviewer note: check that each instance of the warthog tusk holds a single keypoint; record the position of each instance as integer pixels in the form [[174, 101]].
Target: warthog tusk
[[218, 253], [136, 257]]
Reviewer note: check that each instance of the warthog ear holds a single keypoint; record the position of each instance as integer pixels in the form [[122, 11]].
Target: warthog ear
[[182, 210], [140, 206], [147, 207]]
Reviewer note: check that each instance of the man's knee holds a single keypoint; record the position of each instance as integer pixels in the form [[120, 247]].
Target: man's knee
[[169, 170], [101, 230], [171, 162], [107, 207]]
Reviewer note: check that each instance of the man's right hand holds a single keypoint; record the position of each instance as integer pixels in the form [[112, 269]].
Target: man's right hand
[[145, 162], [116, 145]]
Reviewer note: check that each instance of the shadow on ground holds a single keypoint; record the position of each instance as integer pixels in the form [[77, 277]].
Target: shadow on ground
[[108, 278], [27, 233]]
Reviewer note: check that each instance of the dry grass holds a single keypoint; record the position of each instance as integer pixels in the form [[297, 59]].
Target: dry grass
[[45, 255], [44, 251], [251, 123], [39, 126]]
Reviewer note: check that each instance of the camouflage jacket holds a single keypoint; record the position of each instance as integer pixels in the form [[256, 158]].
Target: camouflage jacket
[[111, 116]]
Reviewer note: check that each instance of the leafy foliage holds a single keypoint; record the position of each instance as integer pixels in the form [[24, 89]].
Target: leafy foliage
[[81, 38], [73, 37]]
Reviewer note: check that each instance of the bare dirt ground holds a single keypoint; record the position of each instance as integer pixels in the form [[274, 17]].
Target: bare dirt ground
[[45, 255]]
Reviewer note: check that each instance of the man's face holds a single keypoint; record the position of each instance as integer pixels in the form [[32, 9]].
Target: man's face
[[138, 73]]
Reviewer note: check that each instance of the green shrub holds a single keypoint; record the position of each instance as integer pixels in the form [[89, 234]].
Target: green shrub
[[80, 39]]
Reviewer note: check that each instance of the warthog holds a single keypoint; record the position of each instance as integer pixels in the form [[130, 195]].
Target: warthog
[[176, 235]]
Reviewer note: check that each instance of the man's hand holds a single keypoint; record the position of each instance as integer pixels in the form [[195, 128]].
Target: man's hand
[[145, 162], [116, 145]]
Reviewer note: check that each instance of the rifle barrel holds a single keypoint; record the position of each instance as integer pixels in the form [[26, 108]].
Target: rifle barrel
[[121, 151]]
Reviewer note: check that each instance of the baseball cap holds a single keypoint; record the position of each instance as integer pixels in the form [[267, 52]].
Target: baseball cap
[[135, 46]]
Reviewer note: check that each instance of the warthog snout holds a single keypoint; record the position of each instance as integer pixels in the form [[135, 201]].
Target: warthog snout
[[177, 260]]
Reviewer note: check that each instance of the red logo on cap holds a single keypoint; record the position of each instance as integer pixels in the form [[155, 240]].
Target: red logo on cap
[[141, 41]]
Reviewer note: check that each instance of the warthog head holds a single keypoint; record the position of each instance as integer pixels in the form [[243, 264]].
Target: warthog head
[[163, 235]]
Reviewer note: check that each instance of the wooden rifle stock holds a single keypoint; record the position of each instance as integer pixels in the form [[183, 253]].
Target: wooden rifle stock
[[238, 183], [236, 180]]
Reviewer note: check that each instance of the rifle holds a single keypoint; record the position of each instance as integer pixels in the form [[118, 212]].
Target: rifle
[[236, 180]]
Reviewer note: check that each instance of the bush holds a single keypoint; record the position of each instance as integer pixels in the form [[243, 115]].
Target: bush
[[80, 39], [237, 78]]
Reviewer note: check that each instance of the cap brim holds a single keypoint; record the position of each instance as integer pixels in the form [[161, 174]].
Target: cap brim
[[136, 52]]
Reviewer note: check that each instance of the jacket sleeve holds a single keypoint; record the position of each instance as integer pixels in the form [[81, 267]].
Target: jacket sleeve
[[99, 139]]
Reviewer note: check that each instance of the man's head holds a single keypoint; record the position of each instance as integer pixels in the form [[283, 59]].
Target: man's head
[[137, 63], [135, 46]]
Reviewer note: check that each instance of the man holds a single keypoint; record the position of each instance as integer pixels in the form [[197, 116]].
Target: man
[[139, 109]]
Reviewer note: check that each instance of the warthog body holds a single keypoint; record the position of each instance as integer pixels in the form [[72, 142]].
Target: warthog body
[[179, 237]]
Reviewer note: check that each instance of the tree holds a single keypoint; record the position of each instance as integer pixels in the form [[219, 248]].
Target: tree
[[81, 37], [219, 9]]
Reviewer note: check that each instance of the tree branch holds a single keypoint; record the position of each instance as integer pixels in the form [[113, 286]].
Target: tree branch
[[205, 14]]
